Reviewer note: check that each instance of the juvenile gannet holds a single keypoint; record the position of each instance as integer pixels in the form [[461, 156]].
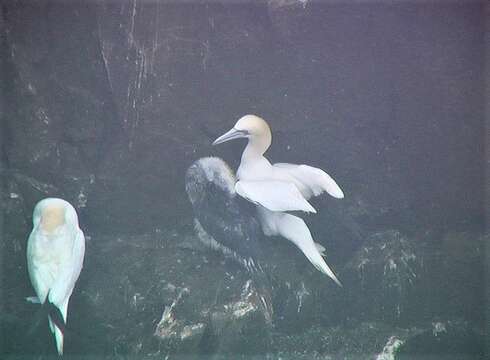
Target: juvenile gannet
[[55, 251], [279, 188], [227, 223], [221, 222]]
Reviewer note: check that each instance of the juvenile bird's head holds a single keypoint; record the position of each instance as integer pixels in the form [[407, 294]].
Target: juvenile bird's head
[[252, 127]]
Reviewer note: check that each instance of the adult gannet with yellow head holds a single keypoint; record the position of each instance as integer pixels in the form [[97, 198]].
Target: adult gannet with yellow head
[[55, 251], [279, 188]]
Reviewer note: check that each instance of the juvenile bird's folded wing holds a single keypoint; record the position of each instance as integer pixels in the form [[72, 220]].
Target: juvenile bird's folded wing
[[69, 271], [274, 195], [310, 180]]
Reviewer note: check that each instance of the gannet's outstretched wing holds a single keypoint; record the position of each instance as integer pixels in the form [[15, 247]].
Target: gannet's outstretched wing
[[294, 229], [310, 180], [274, 195]]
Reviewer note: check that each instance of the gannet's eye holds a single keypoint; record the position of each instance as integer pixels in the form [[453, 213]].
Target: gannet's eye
[[244, 132]]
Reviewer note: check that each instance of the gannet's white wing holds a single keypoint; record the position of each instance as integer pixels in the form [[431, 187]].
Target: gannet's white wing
[[69, 270], [41, 273], [310, 180], [294, 229], [273, 195], [61, 289]]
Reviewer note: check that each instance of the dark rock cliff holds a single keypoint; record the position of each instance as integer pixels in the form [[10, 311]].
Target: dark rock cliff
[[107, 103]]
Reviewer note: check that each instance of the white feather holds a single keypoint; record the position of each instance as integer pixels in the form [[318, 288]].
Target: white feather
[[294, 229], [274, 195], [310, 180]]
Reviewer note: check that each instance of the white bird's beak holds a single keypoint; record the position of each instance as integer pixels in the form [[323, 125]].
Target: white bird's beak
[[230, 135]]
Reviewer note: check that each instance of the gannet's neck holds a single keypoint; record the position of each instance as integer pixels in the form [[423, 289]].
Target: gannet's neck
[[253, 164], [257, 146]]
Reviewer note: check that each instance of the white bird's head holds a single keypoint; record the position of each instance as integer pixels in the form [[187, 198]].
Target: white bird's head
[[252, 127], [52, 213]]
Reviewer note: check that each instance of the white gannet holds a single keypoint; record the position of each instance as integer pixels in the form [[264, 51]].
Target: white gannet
[[279, 188], [55, 251]]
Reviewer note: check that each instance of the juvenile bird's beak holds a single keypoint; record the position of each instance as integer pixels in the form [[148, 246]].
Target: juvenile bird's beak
[[230, 135]]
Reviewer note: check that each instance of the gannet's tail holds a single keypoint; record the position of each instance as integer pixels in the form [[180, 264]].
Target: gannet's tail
[[294, 229], [58, 336], [57, 326]]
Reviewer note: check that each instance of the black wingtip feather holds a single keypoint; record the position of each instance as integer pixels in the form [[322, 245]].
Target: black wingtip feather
[[54, 313]]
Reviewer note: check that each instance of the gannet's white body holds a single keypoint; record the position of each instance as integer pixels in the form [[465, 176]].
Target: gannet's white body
[[55, 251], [279, 188]]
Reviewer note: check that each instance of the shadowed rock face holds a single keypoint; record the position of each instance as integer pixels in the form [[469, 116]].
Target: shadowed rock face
[[393, 265], [111, 101]]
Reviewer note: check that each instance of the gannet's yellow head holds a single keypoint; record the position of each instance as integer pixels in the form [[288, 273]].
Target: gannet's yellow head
[[52, 216], [251, 127], [50, 213]]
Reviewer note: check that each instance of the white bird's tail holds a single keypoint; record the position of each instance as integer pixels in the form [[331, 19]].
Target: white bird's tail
[[58, 336], [57, 332], [294, 229]]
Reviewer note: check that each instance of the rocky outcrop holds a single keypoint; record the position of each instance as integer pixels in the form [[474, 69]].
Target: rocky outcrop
[[165, 295], [383, 277]]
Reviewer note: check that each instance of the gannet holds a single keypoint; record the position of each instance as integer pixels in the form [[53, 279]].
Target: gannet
[[221, 222], [227, 223], [55, 251], [279, 188]]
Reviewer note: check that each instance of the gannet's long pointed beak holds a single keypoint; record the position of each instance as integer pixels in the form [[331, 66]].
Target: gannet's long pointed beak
[[230, 135]]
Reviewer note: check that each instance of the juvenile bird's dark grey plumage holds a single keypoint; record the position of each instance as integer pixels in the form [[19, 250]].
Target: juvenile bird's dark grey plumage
[[226, 222]]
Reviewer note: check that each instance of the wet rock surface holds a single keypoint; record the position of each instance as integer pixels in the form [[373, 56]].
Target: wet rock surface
[[449, 340], [383, 277]]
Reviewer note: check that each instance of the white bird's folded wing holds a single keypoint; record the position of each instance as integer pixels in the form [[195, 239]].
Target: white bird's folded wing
[[68, 272], [310, 180], [41, 273], [274, 195]]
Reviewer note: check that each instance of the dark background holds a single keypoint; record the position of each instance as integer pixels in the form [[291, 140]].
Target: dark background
[[114, 99]]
